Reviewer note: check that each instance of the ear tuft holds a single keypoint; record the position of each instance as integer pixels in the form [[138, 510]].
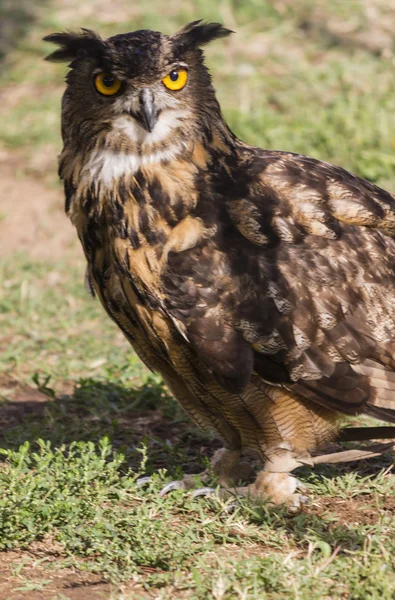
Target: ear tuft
[[74, 45], [199, 33]]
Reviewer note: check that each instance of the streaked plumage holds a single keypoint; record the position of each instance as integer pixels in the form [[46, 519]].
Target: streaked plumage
[[260, 284]]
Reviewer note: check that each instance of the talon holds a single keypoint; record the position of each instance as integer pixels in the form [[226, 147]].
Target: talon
[[143, 481], [297, 502], [173, 485], [301, 486], [230, 508], [205, 491]]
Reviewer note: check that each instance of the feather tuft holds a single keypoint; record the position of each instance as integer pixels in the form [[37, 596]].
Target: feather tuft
[[75, 45], [198, 33]]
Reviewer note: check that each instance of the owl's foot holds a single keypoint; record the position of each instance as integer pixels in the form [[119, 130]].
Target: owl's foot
[[188, 482], [274, 488], [278, 488], [274, 484], [225, 464]]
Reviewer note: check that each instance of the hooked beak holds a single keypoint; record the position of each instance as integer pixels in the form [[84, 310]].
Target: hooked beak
[[148, 113]]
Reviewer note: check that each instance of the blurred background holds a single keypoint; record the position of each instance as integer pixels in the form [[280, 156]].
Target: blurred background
[[308, 76]]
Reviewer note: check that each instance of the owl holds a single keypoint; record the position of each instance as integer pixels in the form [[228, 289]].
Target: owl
[[260, 284]]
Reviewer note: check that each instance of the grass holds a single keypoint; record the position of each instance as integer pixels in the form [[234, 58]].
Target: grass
[[84, 497], [82, 419], [44, 315]]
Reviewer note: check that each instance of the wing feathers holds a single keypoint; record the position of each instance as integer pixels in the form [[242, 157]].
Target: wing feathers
[[295, 282], [318, 237], [354, 389]]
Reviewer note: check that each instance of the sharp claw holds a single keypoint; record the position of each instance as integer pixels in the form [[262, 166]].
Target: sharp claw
[[143, 481], [205, 491], [301, 486], [173, 485], [230, 508], [298, 502], [304, 499]]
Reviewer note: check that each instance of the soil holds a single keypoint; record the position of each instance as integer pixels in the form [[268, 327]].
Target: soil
[[35, 575], [28, 581], [361, 510], [32, 218]]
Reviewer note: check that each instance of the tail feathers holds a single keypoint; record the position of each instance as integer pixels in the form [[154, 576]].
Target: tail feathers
[[381, 400], [368, 387]]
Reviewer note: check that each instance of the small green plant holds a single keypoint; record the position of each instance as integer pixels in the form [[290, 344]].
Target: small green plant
[[42, 385]]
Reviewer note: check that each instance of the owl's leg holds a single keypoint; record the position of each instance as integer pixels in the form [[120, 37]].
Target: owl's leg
[[228, 467], [275, 483], [225, 463], [290, 428]]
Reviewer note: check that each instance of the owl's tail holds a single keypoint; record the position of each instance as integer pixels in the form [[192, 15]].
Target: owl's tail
[[381, 397], [368, 387]]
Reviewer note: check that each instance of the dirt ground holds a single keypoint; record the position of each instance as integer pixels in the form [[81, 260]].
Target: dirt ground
[[21, 572], [32, 218]]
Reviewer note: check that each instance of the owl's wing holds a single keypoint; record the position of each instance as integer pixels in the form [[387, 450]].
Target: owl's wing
[[297, 286]]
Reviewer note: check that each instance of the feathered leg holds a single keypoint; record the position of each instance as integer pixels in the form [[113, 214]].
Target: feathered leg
[[291, 428]]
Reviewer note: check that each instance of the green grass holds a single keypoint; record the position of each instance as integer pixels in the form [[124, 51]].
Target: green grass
[[85, 497], [81, 418], [45, 312]]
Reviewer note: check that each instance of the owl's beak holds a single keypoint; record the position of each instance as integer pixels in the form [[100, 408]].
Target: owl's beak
[[148, 113]]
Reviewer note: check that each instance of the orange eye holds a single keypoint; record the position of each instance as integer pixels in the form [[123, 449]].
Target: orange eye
[[176, 79], [107, 84]]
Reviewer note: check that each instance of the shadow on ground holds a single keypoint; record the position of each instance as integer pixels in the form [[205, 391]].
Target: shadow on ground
[[131, 418]]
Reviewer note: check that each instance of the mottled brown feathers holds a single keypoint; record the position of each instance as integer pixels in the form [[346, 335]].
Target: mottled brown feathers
[[257, 282]]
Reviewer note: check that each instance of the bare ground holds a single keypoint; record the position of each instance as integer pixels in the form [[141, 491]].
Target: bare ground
[[32, 218], [30, 575]]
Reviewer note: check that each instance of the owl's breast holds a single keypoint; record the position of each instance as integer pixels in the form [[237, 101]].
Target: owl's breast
[[128, 233]]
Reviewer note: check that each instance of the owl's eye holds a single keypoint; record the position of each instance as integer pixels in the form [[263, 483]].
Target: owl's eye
[[176, 79], [107, 84]]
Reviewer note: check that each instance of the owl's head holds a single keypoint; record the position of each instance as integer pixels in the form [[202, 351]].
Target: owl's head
[[136, 90]]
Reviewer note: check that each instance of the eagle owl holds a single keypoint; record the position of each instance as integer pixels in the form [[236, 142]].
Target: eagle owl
[[259, 283]]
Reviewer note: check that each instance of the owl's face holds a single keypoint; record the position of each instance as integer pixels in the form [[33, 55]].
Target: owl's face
[[136, 90]]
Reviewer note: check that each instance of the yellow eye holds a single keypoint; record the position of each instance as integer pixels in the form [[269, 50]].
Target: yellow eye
[[107, 84], [176, 79]]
